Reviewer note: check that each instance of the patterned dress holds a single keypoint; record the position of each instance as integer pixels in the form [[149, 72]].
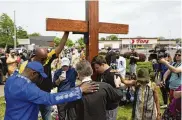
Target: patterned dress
[[173, 111], [144, 107]]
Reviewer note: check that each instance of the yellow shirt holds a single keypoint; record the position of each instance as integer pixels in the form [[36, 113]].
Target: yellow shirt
[[24, 64]]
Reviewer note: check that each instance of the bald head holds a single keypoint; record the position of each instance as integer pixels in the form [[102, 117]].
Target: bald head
[[40, 51], [40, 55]]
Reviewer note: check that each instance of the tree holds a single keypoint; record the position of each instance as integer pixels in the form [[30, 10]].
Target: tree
[[6, 30], [69, 43], [35, 34], [178, 40], [161, 38], [102, 38], [56, 41], [112, 37], [140, 37], [21, 33], [81, 42]]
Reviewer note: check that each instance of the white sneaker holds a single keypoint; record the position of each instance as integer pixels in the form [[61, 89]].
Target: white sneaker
[[163, 106]]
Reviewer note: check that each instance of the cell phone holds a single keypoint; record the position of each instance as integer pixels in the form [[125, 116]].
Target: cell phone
[[118, 75], [63, 74]]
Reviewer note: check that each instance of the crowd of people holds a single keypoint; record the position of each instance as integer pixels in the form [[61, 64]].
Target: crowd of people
[[86, 95]]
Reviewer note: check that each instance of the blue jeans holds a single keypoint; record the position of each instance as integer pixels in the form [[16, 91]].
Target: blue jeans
[[133, 68], [111, 114], [1, 77], [45, 112]]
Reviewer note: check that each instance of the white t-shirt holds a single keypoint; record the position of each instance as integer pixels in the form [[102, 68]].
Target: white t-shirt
[[121, 66]]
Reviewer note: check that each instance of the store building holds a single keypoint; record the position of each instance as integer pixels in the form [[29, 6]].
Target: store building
[[122, 43], [36, 41]]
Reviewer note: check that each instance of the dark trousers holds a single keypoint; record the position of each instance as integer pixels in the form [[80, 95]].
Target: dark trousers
[[45, 112], [65, 112], [165, 91], [164, 94], [1, 77]]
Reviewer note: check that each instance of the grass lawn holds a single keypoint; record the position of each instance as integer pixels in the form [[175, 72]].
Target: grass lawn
[[124, 112], [2, 108]]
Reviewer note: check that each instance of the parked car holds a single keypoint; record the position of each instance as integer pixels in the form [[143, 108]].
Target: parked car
[[20, 50]]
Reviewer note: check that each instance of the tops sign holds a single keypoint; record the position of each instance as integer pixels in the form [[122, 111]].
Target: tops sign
[[139, 41]]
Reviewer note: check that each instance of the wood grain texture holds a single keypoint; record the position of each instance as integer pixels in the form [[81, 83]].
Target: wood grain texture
[[93, 16], [113, 28], [80, 27], [90, 28], [66, 25]]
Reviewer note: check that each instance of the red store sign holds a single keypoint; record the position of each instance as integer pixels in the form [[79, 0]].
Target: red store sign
[[139, 41]]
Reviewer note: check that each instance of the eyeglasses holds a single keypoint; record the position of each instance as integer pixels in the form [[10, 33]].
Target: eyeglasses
[[178, 55]]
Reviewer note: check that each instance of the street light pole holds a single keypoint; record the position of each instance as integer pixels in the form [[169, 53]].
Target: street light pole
[[170, 40], [14, 31]]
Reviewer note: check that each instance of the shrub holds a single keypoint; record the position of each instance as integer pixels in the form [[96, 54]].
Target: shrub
[[142, 57], [147, 65], [127, 55]]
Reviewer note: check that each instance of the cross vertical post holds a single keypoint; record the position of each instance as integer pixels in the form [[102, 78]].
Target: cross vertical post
[[92, 16], [90, 28]]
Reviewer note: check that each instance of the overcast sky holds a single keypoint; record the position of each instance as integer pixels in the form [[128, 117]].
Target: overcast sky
[[145, 17]]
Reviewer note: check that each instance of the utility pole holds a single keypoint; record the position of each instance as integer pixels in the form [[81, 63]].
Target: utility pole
[[14, 30], [170, 41]]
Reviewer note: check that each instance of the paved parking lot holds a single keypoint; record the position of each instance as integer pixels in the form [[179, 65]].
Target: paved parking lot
[[1, 90]]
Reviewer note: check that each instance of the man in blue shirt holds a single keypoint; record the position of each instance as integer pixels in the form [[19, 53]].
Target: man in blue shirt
[[65, 79], [23, 96]]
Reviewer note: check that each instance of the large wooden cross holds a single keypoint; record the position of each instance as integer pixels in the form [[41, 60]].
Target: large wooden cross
[[90, 28]]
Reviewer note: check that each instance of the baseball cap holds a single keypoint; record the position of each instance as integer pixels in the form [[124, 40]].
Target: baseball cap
[[65, 61], [143, 75], [38, 67]]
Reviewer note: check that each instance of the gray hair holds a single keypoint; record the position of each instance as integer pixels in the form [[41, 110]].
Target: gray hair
[[84, 68]]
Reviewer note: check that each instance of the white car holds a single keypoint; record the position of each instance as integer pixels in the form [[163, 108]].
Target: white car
[[20, 50], [177, 47]]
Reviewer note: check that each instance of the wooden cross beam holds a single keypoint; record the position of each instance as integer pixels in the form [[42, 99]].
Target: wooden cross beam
[[79, 26], [90, 28]]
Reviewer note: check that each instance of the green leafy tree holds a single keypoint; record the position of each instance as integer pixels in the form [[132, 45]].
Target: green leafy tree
[[35, 34], [161, 38], [6, 31], [102, 38], [69, 43], [140, 37], [56, 41], [21, 33], [178, 40], [80, 41], [112, 37]]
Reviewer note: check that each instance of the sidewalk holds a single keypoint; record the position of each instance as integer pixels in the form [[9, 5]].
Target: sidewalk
[[1, 90]]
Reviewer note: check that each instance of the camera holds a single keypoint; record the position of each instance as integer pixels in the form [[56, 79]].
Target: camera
[[157, 53], [114, 66]]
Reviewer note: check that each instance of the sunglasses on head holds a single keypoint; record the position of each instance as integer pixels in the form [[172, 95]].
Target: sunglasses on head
[[177, 54]]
